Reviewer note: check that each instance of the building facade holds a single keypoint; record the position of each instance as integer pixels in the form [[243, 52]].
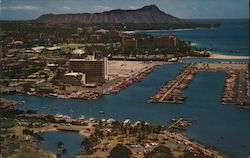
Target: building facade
[[129, 42], [74, 78], [96, 71], [165, 41]]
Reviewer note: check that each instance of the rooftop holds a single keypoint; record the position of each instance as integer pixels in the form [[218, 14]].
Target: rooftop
[[73, 74]]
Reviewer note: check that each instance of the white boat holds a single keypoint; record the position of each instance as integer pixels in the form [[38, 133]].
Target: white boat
[[82, 117]]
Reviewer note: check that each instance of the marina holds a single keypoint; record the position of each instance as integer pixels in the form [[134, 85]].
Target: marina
[[229, 96], [236, 85], [171, 91], [127, 82], [222, 128], [243, 91], [199, 105]]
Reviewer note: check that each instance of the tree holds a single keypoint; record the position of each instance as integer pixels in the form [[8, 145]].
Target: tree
[[120, 151], [39, 138], [160, 152], [7, 124], [189, 154], [87, 145], [28, 132], [64, 152], [59, 146]]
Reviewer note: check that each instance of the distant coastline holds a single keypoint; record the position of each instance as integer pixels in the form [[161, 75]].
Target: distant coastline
[[221, 56], [164, 30]]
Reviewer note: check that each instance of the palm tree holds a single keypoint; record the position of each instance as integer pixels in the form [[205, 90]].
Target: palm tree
[[59, 146], [64, 152], [39, 138], [87, 145]]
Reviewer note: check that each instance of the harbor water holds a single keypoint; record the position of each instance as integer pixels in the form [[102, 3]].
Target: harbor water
[[225, 127]]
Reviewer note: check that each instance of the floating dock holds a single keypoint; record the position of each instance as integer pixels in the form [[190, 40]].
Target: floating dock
[[230, 86], [171, 91]]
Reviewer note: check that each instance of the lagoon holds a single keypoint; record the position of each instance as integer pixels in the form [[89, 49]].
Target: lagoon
[[71, 141]]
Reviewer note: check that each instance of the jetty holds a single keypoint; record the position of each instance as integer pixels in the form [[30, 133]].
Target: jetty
[[175, 123], [243, 92], [171, 91], [229, 92], [180, 123], [129, 81]]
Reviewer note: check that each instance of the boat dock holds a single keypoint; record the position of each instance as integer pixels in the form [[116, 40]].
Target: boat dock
[[179, 123], [229, 91], [243, 92], [171, 91], [175, 123], [237, 83], [129, 81]]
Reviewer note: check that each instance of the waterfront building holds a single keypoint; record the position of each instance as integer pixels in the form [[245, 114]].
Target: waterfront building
[[129, 42], [132, 42], [165, 41], [96, 71], [74, 78]]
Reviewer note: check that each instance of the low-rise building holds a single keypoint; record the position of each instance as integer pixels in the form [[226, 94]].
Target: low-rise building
[[74, 78]]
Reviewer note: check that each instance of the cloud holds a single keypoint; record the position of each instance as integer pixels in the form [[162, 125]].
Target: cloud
[[21, 8], [101, 8], [2, 2]]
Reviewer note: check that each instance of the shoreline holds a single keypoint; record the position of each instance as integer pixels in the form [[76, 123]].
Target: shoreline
[[172, 135], [222, 56], [164, 30], [115, 87]]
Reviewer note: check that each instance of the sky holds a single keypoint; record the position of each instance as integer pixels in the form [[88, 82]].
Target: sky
[[186, 9]]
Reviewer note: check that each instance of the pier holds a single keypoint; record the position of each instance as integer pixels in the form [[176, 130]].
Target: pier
[[171, 91], [127, 82], [229, 92], [243, 92], [175, 123], [237, 83], [180, 123]]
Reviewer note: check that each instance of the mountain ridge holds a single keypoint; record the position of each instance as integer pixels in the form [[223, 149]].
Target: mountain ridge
[[146, 14]]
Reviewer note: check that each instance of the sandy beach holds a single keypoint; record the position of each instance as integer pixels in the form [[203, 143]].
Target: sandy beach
[[221, 66], [126, 68], [221, 56]]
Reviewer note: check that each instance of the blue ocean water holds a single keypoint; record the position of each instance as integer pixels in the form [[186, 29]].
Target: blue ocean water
[[211, 60], [231, 38], [225, 127]]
